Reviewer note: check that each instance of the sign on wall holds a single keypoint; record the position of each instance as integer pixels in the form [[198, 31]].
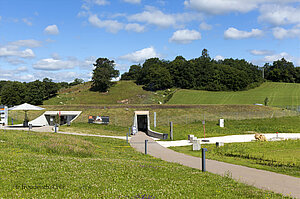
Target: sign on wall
[[98, 119]]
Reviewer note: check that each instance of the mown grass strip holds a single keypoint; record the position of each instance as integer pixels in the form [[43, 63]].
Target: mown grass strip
[[44, 165], [278, 156]]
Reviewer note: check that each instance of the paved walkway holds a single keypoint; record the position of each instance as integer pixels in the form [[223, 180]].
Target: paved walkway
[[232, 139], [278, 183]]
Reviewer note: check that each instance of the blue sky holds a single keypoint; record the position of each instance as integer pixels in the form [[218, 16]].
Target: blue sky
[[61, 39]]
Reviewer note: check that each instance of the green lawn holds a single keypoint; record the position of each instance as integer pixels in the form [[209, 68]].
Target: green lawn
[[44, 165], [122, 115], [123, 92], [278, 156], [97, 129], [234, 127], [279, 94]]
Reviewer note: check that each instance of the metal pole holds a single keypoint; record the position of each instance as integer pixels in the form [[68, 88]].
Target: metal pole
[[127, 138], [171, 130], [203, 159], [203, 122], [55, 128], [146, 142], [154, 119]]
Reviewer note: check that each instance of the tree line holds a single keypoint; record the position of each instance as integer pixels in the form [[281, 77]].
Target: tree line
[[14, 92], [204, 73], [282, 71], [201, 73]]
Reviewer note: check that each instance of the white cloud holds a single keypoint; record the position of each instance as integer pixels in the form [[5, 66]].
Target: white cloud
[[217, 7], [141, 55], [100, 2], [55, 56], [65, 76], [221, 6], [14, 60], [26, 78], [31, 43], [260, 52], [218, 57], [110, 25], [279, 14], [6, 51], [281, 33], [0, 18], [185, 36], [133, 1], [275, 57], [55, 64], [88, 62], [135, 27], [27, 21], [13, 50], [233, 33], [88, 3], [51, 30], [154, 16], [17, 74], [22, 69], [205, 26]]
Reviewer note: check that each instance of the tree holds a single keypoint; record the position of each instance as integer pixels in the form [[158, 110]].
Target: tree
[[281, 71], [132, 74], [266, 101], [13, 93], [76, 82], [51, 88], [102, 74], [182, 73], [158, 78], [35, 92]]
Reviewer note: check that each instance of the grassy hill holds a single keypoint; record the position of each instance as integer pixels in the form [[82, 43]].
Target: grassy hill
[[123, 92], [279, 94], [47, 165]]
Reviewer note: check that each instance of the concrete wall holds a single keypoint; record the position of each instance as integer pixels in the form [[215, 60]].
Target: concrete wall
[[150, 132], [162, 136]]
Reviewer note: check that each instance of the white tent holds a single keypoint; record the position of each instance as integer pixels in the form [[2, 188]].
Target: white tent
[[26, 107]]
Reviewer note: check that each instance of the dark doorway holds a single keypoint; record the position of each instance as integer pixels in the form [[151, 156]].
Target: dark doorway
[[142, 121]]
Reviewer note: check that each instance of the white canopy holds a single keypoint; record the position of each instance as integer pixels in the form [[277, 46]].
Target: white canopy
[[26, 107]]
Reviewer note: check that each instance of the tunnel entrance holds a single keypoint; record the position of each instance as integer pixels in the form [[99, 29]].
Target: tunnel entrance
[[142, 123]]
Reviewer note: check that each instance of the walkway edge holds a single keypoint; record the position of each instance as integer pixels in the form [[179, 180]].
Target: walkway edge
[[278, 183]]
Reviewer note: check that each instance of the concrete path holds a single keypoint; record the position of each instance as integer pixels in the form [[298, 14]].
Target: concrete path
[[232, 139], [278, 183]]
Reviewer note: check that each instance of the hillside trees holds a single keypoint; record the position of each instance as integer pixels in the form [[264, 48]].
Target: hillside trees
[[200, 73], [35, 92], [13, 93], [282, 71], [76, 82], [102, 74], [132, 74], [51, 88]]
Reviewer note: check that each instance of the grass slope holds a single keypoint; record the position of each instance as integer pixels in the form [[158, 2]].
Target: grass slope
[[121, 92], [281, 156], [234, 127], [43, 165], [279, 94]]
